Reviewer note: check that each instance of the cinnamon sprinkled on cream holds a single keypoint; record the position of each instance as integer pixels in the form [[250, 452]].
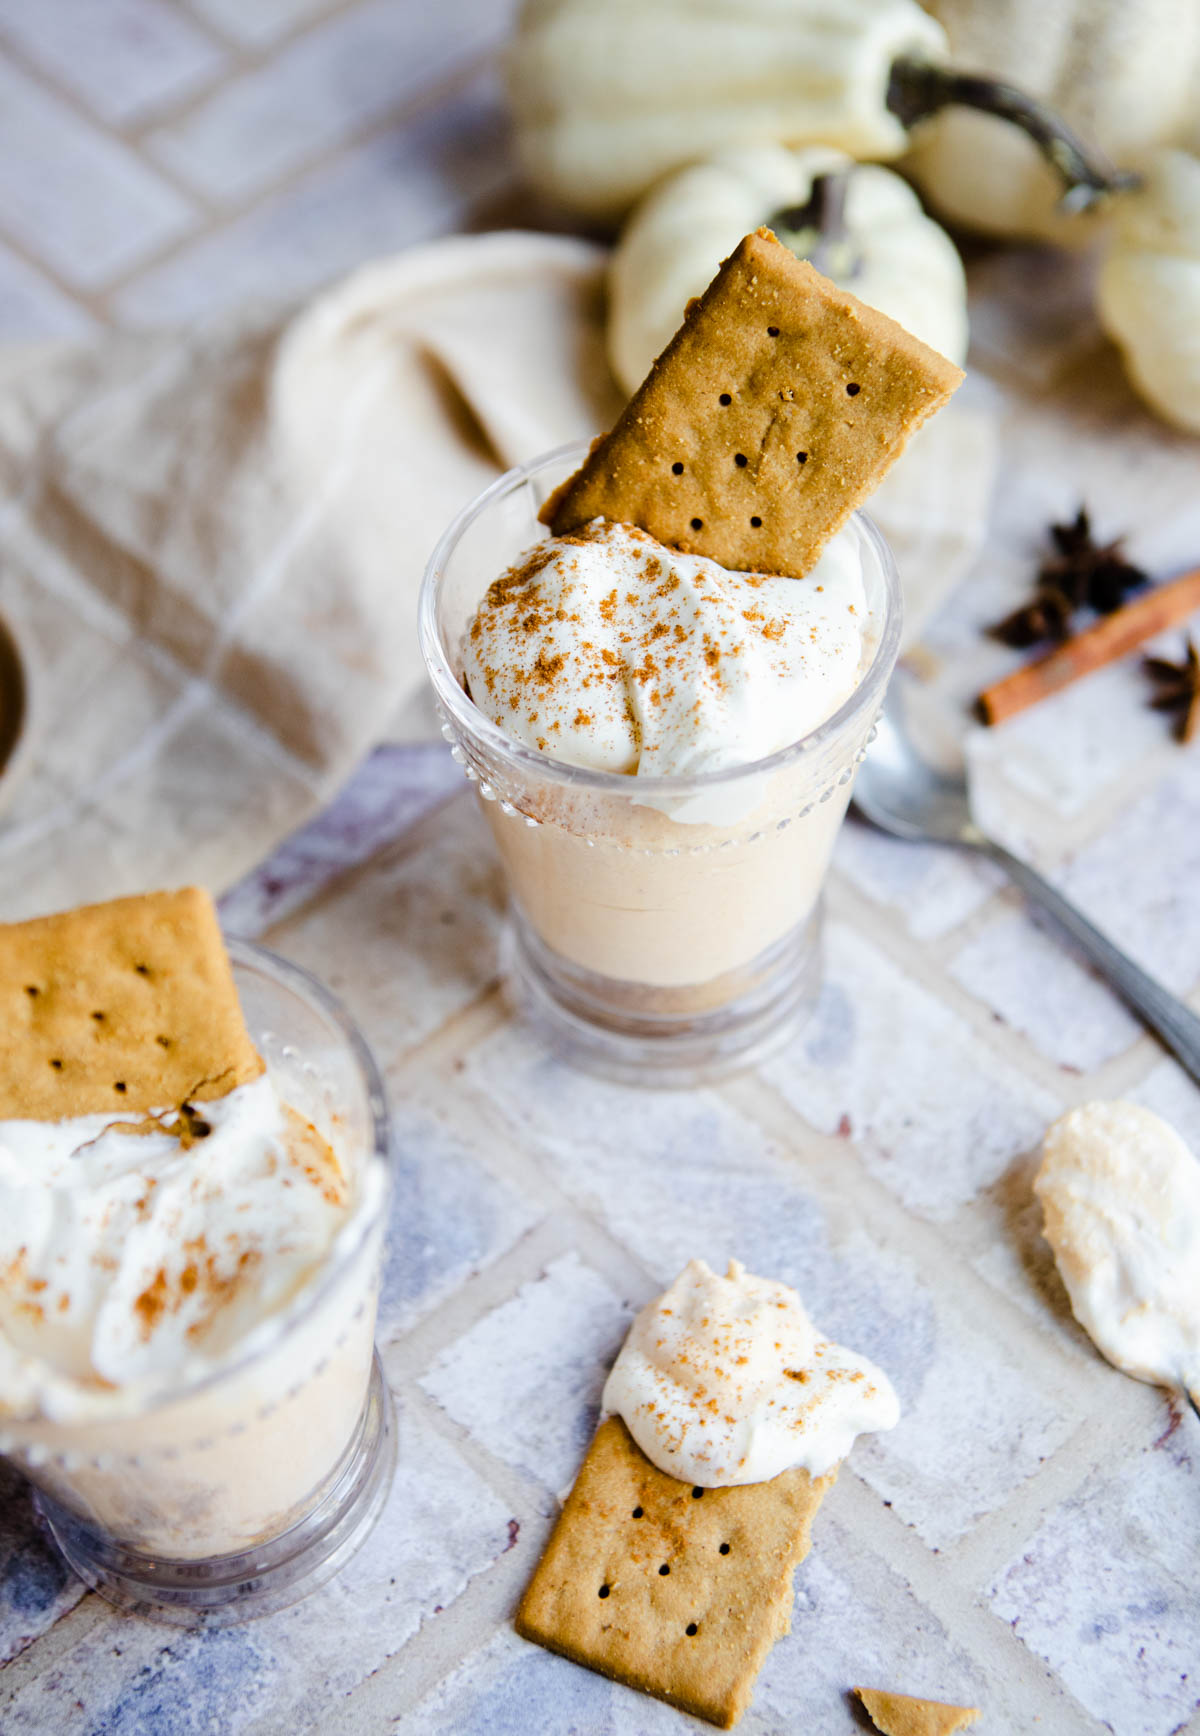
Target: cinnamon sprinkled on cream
[[724, 1381], [606, 650]]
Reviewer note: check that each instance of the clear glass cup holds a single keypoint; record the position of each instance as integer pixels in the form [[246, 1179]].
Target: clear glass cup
[[663, 929], [240, 1493]]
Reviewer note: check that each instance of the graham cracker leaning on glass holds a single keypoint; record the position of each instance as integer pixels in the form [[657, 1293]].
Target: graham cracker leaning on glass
[[901, 1715], [774, 411], [679, 1592], [128, 1006]]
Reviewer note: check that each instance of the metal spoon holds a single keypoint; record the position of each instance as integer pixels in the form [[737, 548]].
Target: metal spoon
[[902, 793]]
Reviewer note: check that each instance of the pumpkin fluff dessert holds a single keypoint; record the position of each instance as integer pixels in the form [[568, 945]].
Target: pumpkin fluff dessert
[[186, 1270], [668, 693], [671, 1565]]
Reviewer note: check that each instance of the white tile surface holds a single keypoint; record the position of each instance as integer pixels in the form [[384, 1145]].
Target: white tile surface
[[929, 888], [32, 309], [125, 59], [73, 195], [934, 1113], [333, 81], [526, 1379], [1106, 1591], [401, 187], [259, 22], [450, 1218], [1031, 978]]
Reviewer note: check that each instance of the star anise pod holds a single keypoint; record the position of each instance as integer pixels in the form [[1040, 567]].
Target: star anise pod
[[1080, 574], [1178, 689]]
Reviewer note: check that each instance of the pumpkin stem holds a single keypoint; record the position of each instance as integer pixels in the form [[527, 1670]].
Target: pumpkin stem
[[918, 89], [817, 230]]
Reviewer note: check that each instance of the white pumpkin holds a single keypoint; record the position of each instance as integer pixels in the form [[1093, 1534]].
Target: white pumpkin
[[676, 238], [608, 96], [1149, 290], [1125, 73]]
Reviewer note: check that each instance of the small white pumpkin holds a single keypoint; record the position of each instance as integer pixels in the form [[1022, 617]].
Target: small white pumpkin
[[1149, 290], [1126, 73], [610, 95], [673, 243]]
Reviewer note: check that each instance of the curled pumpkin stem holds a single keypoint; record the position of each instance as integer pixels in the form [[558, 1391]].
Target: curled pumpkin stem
[[817, 230], [919, 89]]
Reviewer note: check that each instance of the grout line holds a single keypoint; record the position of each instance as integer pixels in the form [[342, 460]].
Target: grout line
[[443, 1051], [912, 958], [410, 1354], [49, 1648], [1108, 1438], [438, 1648], [117, 134], [409, 110], [1018, 1678]]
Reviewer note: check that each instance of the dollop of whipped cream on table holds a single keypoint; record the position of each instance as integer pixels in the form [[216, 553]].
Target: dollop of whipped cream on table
[[133, 1253], [726, 1380], [1120, 1195], [607, 650]]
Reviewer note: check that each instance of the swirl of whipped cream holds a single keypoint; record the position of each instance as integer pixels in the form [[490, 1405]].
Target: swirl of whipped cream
[[136, 1254], [723, 1381], [1120, 1194], [607, 650]]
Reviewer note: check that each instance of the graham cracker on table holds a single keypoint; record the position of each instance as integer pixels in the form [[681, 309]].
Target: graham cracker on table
[[900, 1715], [774, 411], [678, 1593], [128, 1006]]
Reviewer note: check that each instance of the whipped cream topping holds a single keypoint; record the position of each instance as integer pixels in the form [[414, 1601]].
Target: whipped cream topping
[[607, 650], [1120, 1194], [139, 1253], [726, 1380]]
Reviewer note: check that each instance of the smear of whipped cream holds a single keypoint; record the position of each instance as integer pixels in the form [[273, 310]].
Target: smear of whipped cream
[[132, 1257], [607, 650], [1120, 1195], [723, 1381]]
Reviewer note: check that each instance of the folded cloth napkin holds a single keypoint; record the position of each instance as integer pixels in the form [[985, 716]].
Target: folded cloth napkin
[[211, 544]]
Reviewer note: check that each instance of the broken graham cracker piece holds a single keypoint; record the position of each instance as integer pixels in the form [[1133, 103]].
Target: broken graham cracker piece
[[774, 411], [678, 1592], [128, 1006], [900, 1715]]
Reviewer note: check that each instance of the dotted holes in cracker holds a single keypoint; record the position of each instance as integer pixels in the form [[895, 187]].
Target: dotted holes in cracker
[[772, 331], [32, 990], [665, 1569], [691, 1630], [724, 1549], [163, 1042], [696, 1494], [697, 524], [677, 468], [725, 399], [57, 1064], [740, 459], [637, 1512], [119, 1085], [756, 522], [604, 1591], [802, 458], [852, 390], [143, 970]]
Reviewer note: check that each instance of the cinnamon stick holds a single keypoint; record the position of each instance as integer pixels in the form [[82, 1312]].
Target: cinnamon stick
[[1112, 637]]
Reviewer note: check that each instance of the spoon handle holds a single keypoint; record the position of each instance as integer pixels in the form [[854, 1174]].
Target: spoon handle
[[1164, 1012]]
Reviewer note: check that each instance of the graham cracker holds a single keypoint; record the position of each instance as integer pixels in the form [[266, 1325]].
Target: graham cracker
[[128, 1006], [900, 1715], [677, 1592], [774, 411]]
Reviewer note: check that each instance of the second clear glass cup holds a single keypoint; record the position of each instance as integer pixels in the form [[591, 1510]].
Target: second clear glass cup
[[664, 929]]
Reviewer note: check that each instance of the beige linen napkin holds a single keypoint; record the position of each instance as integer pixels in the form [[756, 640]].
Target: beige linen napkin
[[211, 544]]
